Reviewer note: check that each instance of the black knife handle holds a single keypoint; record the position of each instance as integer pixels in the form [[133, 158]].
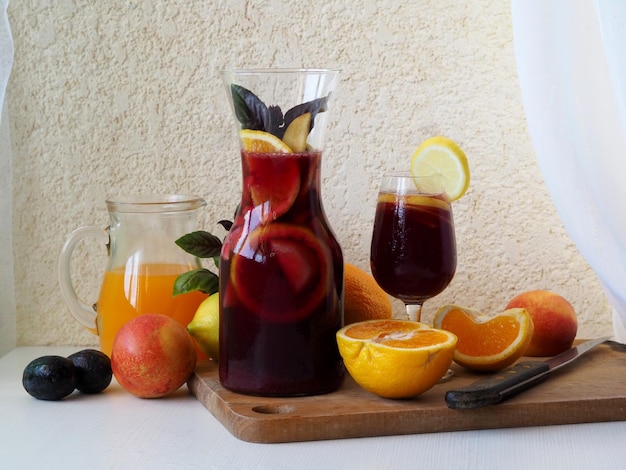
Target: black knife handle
[[499, 387]]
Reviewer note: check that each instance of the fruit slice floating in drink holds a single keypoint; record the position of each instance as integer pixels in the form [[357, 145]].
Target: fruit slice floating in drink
[[274, 182], [281, 272], [271, 174], [431, 209]]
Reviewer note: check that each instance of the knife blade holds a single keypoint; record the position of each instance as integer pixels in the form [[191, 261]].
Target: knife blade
[[515, 379]]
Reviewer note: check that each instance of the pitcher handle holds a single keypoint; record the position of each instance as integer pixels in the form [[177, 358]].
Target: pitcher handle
[[85, 314]]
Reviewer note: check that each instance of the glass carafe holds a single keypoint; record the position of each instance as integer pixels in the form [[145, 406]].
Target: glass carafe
[[281, 267], [143, 264]]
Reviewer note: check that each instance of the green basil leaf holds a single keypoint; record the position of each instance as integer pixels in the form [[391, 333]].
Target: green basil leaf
[[318, 105], [198, 279], [201, 244], [277, 122], [250, 111], [227, 224]]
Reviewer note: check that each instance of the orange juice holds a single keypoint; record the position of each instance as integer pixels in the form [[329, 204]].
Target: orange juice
[[129, 291]]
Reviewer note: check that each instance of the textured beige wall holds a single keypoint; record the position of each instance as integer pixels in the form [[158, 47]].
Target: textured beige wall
[[109, 97]]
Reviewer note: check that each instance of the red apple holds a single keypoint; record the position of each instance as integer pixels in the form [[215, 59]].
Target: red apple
[[554, 319], [152, 356]]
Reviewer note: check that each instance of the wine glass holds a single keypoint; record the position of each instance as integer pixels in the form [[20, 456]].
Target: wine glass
[[413, 252]]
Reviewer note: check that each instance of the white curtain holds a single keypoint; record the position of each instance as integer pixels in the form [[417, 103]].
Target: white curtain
[[7, 300], [571, 61]]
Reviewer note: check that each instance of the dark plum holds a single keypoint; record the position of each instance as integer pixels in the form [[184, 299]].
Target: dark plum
[[50, 377], [94, 370]]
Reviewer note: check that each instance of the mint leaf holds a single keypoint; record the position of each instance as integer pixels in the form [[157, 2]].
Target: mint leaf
[[201, 244], [198, 279]]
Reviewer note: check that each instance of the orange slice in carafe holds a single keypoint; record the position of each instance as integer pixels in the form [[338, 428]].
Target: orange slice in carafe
[[262, 142], [281, 272], [274, 183]]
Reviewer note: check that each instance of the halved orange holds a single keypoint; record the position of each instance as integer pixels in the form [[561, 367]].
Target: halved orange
[[486, 343], [281, 271], [395, 358]]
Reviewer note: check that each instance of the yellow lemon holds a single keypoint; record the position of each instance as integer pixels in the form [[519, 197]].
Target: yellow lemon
[[262, 142], [486, 343], [395, 358], [204, 327], [442, 156]]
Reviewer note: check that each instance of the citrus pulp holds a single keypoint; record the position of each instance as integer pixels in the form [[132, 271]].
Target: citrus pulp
[[486, 343], [262, 142], [395, 358]]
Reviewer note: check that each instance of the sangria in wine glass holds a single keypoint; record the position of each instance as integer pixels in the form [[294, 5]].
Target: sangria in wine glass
[[413, 252]]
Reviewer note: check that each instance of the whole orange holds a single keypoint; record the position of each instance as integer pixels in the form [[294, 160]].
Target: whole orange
[[364, 299]]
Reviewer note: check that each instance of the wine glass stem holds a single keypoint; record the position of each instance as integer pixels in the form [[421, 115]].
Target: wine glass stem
[[414, 311]]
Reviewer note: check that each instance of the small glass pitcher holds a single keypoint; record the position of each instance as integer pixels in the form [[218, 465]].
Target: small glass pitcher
[[144, 261]]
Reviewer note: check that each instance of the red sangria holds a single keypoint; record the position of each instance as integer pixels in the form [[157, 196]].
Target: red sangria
[[413, 251], [281, 282], [281, 268]]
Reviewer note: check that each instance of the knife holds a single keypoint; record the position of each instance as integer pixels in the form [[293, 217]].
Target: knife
[[514, 380]]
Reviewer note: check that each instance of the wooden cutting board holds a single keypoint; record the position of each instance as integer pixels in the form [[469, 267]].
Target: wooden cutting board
[[592, 389]]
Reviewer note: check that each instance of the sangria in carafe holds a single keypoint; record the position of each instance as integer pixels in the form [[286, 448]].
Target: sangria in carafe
[[281, 268]]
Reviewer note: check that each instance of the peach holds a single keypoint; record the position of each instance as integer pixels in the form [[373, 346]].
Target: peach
[[152, 356], [554, 319]]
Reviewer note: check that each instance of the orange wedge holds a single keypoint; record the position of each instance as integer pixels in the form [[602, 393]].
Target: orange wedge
[[486, 343], [395, 358]]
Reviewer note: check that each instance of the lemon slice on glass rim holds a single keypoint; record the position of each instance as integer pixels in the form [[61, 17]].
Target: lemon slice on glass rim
[[442, 156]]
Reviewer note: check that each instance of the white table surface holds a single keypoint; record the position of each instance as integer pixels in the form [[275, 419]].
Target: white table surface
[[117, 430]]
